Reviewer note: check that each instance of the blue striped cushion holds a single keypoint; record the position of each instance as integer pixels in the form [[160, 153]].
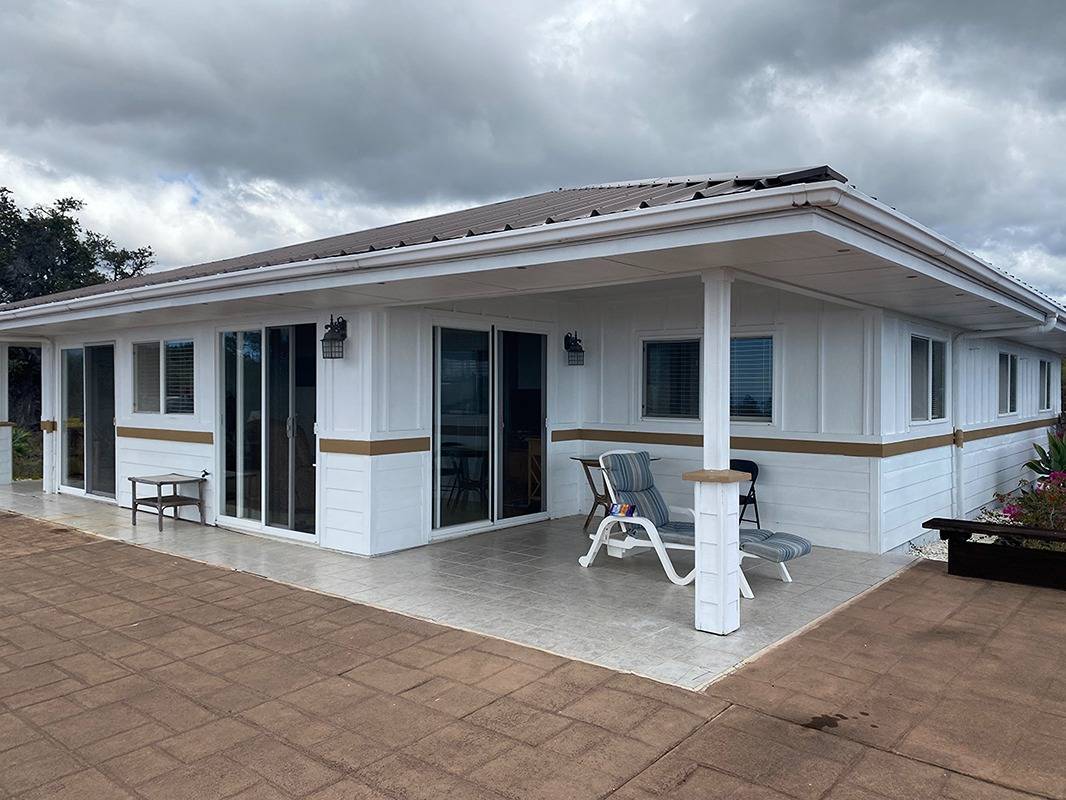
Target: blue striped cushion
[[779, 547], [630, 475]]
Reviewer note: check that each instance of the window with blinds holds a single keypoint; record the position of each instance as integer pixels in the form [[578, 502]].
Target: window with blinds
[[672, 379], [1008, 383], [1045, 386], [928, 379], [178, 382], [751, 379], [146, 377]]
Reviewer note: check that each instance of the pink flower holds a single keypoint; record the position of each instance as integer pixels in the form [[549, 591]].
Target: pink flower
[[1011, 511]]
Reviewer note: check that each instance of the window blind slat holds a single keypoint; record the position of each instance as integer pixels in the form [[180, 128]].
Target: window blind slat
[[179, 385], [751, 378], [672, 379]]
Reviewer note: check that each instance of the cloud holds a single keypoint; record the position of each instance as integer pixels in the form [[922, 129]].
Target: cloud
[[211, 129]]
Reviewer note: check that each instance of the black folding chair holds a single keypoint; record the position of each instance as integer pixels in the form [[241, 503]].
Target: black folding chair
[[747, 499]]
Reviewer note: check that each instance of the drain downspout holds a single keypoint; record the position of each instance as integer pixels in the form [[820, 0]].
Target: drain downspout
[[958, 434]]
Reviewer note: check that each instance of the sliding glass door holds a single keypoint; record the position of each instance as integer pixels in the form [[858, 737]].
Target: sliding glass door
[[100, 419], [290, 443], [88, 435], [268, 405], [489, 425], [463, 435], [520, 381], [74, 418], [242, 410]]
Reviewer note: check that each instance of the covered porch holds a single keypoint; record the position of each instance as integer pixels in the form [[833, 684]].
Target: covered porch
[[521, 584]]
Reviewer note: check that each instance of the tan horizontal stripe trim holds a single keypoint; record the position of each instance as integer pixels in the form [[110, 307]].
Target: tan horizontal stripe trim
[[808, 446], [165, 435], [48, 425], [6, 424], [629, 437], [374, 447], [1000, 430]]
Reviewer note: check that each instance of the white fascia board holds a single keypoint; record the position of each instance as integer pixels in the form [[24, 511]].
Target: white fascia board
[[688, 224], [852, 204], [909, 259], [766, 212]]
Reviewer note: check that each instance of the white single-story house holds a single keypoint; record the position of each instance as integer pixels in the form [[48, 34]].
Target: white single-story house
[[876, 372]]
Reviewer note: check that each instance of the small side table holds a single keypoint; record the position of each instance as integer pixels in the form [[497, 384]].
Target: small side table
[[599, 494], [161, 502]]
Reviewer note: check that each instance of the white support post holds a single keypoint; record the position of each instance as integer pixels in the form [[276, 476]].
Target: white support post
[[717, 488], [50, 417], [7, 455]]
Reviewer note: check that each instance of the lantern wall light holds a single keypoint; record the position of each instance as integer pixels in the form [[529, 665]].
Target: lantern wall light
[[575, 353], [333, 339]]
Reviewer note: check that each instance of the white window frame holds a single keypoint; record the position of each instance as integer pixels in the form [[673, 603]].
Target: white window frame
[[929, 339], [1012, 370], [671, 336], [775, 353], [133, 374], [1044, 386]]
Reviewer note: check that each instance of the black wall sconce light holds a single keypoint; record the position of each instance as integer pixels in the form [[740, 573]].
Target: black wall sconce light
[[333, 338], [575, 353]]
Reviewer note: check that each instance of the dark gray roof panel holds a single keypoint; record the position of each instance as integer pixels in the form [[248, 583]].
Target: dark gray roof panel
[[523, 212]]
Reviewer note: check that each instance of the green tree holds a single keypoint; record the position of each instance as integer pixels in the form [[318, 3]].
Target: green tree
[[44, 249]]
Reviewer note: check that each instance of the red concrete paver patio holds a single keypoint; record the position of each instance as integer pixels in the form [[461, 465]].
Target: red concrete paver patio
[[127, 673]]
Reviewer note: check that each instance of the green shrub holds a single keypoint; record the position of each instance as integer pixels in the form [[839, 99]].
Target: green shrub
[[1051, 460]]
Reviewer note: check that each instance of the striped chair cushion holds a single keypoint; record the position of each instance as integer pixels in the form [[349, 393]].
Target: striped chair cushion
[[779, 547], [630, 476]]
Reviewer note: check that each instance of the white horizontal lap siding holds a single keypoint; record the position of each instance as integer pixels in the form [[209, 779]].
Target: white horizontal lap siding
[[399, 507], [914, 487], [344, 502], [137, 457], [568, 491], [996, 464], [824, 498]]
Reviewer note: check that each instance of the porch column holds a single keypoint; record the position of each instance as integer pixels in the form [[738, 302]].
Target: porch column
[[6, 430], [50, 449], [717, 487]]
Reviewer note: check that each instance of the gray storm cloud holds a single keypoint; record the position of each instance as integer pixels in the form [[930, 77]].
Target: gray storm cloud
[[208, 129]]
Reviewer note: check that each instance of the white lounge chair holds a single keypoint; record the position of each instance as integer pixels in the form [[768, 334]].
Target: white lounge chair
[[628, 478]]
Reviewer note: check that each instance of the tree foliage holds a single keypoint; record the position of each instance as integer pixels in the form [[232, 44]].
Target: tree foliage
[[45, 249]]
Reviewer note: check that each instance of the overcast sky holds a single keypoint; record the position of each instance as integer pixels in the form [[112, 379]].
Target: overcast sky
[[208, 129]]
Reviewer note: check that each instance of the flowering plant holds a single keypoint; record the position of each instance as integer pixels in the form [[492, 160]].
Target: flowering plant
[[1041, 506]]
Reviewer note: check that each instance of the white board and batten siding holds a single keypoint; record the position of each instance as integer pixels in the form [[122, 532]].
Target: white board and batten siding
[[823, 377], [921, 485]]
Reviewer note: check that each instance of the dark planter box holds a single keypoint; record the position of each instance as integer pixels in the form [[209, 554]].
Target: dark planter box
[[1000, 562]]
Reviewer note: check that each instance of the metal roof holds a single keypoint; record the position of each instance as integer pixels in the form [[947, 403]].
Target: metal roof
[[534, 210]]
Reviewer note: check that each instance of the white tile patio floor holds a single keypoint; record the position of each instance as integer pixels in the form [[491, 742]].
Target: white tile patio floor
[[522, 584]]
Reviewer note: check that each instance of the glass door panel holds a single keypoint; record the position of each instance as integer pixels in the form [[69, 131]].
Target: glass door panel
[[520, 360], [304, 404], [74, 418], [290, 427], [242, 410], [100, 419], [462, 445], [278, 440]]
